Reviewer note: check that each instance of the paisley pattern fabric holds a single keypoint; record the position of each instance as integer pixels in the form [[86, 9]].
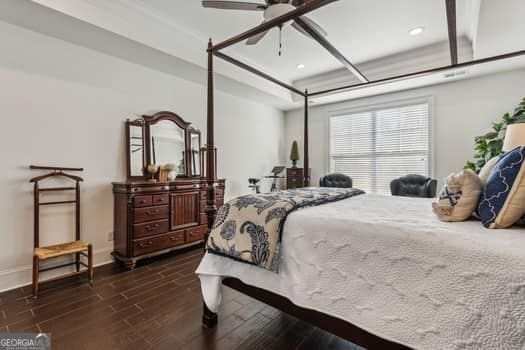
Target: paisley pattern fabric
[[503, 201], [248, 228]]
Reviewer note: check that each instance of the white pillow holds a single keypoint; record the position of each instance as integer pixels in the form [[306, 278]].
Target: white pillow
[[459, 197], [486, 169]]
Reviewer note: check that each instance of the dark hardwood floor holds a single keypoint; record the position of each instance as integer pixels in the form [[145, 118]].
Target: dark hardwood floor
[[156, 306]]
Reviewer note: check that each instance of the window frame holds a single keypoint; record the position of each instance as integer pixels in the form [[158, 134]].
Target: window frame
[[370, 107]]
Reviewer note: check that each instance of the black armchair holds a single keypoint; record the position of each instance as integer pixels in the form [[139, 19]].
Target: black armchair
[[335, 180], [414, 186]]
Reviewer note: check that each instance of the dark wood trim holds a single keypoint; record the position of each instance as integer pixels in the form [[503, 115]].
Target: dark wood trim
[[257, 72], [301, 10], [130, 263], [39, 167], [421, 73], [452, 34], [306, 179], [166, 115], [139, 123], [331, 49], [211, 160], [334, 325]]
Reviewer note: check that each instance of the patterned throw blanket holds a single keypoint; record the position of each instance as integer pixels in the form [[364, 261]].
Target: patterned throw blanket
[[249, 228]]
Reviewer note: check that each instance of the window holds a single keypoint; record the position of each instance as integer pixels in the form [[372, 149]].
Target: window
[[377, 146]]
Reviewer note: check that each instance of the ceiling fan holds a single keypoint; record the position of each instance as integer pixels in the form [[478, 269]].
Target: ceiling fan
[[271, 9]]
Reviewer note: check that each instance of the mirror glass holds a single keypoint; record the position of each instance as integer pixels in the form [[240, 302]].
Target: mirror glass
[[168, 145], [136, 150], [195, 154]]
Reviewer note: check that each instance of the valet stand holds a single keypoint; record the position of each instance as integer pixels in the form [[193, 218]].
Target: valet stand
[[76, 247]]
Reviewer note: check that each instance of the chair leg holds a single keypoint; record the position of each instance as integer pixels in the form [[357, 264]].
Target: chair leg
[[90, 263], [36, 268], [77, 260]]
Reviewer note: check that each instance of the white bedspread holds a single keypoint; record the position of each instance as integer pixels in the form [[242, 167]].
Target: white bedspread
[[388, 265]]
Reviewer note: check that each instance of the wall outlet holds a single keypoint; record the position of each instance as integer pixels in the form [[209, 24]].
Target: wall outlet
[[110, 236]]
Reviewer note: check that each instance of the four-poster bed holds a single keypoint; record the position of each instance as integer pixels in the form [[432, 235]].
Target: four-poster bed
[[330, 323]]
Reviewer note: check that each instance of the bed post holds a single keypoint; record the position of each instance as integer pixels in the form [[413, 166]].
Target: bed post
[[209, 319], [306, 155]]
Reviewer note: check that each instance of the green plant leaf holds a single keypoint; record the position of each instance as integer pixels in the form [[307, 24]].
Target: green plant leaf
[[470, 165], [491, 135]]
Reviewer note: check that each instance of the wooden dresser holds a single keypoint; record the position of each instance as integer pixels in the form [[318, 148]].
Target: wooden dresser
[[294, 178], [153, 218]]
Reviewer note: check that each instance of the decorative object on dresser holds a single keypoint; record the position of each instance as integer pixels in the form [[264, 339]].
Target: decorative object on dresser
[[294, 178], [294, 154], [78, 248], [153, 218]]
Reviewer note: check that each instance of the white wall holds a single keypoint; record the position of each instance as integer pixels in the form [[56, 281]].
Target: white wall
[[461, 110], [66, 105]]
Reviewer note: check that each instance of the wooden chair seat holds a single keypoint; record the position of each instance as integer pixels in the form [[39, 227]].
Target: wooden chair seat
[[56, 250]]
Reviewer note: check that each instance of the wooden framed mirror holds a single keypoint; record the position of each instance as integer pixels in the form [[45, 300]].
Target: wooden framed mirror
[[135, 149], [164, 139], [167, 141], [194, 137]]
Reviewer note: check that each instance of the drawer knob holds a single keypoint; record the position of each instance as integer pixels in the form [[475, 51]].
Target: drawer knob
[[175, 239], [154, 227], [146, 245]]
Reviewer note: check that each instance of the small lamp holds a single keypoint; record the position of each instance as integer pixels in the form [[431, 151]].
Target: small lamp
[[514, 137]]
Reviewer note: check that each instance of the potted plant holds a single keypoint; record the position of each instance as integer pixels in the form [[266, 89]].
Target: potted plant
[[294, 154], [491, 144]]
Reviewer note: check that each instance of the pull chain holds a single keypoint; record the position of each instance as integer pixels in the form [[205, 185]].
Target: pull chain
[[280, 39]]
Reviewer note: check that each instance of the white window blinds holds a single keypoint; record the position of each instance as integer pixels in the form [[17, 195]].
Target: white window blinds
[[378, 146]]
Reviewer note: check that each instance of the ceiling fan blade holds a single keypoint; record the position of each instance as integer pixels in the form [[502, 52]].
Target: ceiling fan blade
[[256, 38], [313, 25], [300, 30], [233, 5]]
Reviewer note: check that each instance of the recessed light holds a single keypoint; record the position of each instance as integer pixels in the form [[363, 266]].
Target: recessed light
[[300, 66], [417, 31]]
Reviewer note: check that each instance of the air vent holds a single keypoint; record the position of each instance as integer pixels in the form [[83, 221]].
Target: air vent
[[454, 74]]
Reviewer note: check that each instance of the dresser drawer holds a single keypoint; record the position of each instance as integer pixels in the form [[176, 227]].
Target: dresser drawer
[[161, 199], [294, 180], [150, 214], [150, 228], [150, 189], [294, 172], [142, 201], [153, 244], [196, 234]]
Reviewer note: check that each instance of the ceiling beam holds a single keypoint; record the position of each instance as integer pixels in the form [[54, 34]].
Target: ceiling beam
[[420, 73], [257, 72], [452, 31], [299, 11], [331, 49]]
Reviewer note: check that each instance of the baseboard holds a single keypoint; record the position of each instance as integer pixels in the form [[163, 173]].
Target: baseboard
[[22, 276]]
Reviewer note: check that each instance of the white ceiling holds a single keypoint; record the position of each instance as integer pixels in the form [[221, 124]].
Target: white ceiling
[[171, 36], [361, 30]]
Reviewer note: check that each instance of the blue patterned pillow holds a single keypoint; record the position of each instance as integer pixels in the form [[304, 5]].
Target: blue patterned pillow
[[503, 201]]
